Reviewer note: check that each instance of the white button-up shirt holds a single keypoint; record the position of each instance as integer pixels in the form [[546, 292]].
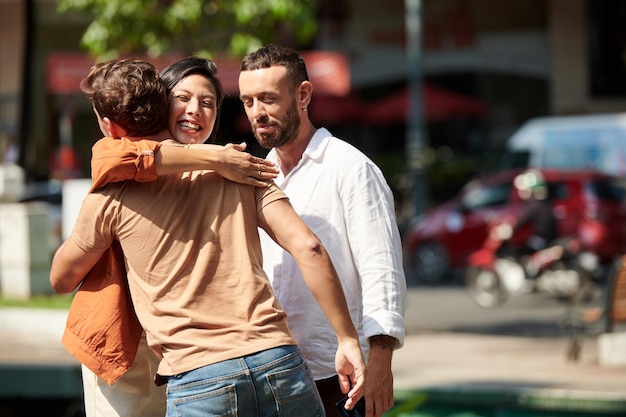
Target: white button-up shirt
[[344, 199]]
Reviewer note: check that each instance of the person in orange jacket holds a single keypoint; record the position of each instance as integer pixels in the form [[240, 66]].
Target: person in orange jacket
[[102, 330], [159, 310]]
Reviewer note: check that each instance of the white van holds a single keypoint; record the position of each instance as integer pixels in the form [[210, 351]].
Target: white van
[[595, 141]]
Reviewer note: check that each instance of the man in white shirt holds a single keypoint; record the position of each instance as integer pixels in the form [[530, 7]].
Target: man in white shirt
[[344, 198]]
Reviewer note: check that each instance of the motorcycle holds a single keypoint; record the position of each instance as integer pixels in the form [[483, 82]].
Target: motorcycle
[[497, 271]]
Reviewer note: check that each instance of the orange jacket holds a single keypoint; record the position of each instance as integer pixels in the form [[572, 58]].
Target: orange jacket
[[102, 330]]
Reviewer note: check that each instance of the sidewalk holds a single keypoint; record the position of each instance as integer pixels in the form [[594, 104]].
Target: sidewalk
[[481, 361], [446, 363], [448, 374]]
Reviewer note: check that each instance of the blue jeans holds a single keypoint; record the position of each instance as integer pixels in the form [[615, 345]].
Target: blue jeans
[[274, 382]]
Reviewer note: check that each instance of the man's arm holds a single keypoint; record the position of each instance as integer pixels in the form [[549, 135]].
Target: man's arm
[[379, 395], [282, 223], [376, 248], [141, 160], [70, 265]]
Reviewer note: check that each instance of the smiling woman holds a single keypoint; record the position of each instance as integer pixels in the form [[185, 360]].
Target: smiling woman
[[195, 98], [193, 109]]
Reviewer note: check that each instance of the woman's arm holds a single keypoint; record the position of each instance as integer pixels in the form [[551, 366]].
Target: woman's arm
[[115, 160], [230, 161]]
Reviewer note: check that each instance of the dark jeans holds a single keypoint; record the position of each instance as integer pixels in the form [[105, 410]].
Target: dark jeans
[[331, 394]]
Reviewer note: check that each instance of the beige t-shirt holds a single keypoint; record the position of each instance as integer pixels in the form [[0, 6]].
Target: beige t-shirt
[[194, 264]]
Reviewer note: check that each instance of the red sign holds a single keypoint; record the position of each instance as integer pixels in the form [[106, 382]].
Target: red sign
[[328, 71], [65, 70]]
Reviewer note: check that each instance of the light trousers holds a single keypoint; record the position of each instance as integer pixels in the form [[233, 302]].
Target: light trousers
[[134, 395]]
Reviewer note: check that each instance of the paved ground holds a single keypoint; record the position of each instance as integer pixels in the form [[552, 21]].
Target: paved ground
[[33, 336], [429, 360], [470, 360]]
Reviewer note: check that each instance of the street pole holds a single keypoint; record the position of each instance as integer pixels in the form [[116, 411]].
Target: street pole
[[415, 133]]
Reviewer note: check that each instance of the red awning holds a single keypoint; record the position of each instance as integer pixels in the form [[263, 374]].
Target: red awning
[[438, 104], [332, 110]]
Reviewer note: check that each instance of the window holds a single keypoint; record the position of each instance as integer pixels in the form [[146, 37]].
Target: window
[[557, 190], [607, 190], [486, 196]]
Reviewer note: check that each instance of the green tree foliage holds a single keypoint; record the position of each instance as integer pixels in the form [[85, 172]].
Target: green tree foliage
[[207, 27]]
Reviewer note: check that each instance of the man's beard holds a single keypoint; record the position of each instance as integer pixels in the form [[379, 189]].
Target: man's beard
[[284, 133]]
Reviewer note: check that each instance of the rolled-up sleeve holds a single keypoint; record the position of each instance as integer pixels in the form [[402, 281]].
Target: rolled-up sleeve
[[115, 160], [375, 242]]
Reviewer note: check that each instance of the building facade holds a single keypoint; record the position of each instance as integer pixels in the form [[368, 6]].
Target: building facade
[[521, 58]]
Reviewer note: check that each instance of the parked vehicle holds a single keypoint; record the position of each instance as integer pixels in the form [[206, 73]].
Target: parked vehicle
[[591, 141], [586, 204], [498, 271]]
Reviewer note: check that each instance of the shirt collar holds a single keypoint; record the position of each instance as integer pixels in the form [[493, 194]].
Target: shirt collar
[[317, 144], [314, 150]]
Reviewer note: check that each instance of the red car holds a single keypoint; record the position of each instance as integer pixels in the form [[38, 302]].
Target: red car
[[586, 204]]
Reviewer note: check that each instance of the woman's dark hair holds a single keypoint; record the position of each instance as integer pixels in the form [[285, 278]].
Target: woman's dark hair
[[195, 65]]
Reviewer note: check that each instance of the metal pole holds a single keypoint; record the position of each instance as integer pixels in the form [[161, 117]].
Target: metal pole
[[415, 134]]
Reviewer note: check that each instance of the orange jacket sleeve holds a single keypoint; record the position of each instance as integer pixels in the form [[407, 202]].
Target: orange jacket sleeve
[[102, 330], [115, 160]]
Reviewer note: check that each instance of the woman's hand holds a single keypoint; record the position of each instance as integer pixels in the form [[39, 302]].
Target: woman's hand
[[239, 166]]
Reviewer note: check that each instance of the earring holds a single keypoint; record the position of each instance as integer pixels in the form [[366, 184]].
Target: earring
[[303, 108]]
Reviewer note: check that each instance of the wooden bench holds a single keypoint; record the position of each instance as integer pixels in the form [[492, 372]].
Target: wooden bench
[[583, 321]]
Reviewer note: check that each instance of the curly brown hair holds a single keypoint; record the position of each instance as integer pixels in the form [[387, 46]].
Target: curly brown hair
[[130, 93]]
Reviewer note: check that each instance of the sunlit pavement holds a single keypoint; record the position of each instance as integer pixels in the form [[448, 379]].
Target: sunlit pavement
[[433, 360]]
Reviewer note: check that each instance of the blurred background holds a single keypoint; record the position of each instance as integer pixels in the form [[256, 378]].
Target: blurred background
[[482, 68], [431, 90]]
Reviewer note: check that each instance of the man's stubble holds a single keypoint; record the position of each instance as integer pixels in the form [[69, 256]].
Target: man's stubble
[[286, 130]]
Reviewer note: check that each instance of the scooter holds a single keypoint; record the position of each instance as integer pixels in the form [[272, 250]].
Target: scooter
[[497, 271]]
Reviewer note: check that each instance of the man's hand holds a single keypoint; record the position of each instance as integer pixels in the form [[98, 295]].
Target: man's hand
[[239, 166], [351, 370], [70, 265], [379, 388]]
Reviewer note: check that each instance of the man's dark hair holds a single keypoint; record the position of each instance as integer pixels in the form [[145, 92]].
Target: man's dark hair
[[273, 55]]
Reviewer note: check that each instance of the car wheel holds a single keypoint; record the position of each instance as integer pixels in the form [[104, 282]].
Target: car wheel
[[430, 263]]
